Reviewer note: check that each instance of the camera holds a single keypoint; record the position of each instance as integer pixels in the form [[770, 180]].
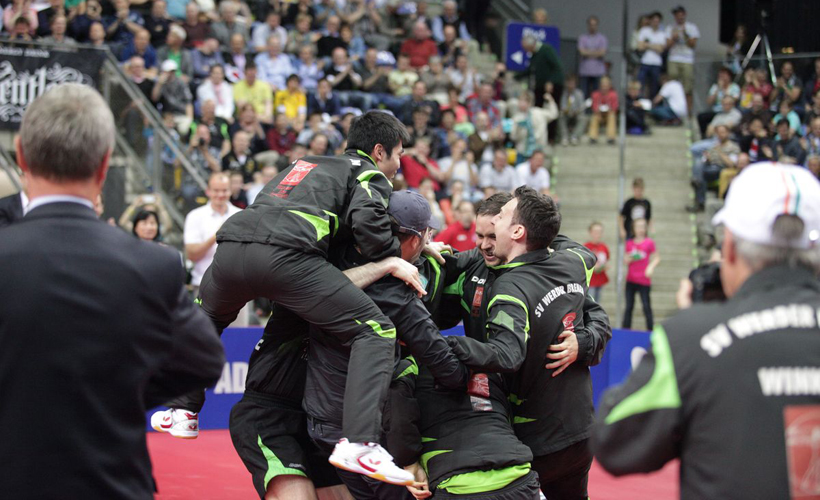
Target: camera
[[706, 284]]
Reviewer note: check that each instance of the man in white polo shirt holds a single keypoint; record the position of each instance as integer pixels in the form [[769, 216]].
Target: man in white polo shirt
[[202, 223], [534, 173], [682, 36]]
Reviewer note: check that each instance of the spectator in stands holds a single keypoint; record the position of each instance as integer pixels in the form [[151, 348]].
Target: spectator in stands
[[706, 169], [788, 86], [324, 101], [253, 91], [737, 48], [205, 57], [437, 80], [58, 32], [426, 189], [229, 24], [454, 104], [682, 37], [460, 234], [80, 26], [281, 137], [544, 66], [483, 102], [813, 110], [601, 251], [263, 178], [464, 78], [317, 124], [135, 70], [17, 9], [670, 106], [368, 23], [300, 7], [758, 110], [218, 128], [604, 110], [376, 82], [146, 226], [727, 175], [158, 22], [460, 167], [420, 128], [324, 10], [122, 26], [354, 43], [329, 38], [196, 26], [318, 145], [239, 197], [811, 142], [756, 143], [498, 175], [451, 47], [301, 36], [307, 68], [240, 159], [484, 140], [729, 116], [248, 122], [345, 81], [201, 225], [534, 173], [635, 112], [173, 95], [292, 101], [753, 86], [403, 77], [592, 47], [449, 17], [271, 26], [420, 48], [21, 30], [203, 155], [787, 112], [813, 165], [236, 58], [173, 49], [96, 34], [447, 131], [529, 126], [418, 100], [652, 42], [274, 66], [641, 258], [45, 16], [787, 145], [634, 208], [216, 89], [812, 85], [417, 165], [140, 45]]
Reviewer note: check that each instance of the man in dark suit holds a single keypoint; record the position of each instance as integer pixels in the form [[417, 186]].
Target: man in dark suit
[[95, 326], [11, 209]]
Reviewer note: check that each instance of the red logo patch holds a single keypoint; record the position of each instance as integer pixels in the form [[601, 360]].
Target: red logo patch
[[296, 175], [479, 295], [569, 322]]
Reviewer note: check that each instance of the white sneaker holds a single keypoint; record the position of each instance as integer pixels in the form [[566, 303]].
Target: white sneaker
[[178, 423], [371, 460]]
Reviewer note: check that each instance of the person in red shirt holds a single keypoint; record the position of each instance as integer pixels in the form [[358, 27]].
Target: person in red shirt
[[460, 234], [418, 165], [604, 109], [420, 47], [599, 248]]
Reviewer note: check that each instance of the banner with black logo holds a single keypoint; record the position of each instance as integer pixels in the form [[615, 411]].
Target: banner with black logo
[[28, 71]]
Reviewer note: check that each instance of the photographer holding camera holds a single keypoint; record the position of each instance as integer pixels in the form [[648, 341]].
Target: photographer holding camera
[[732, 388]]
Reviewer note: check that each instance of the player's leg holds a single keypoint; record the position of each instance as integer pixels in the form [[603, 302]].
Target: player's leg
[[564, 474], [290, 488]]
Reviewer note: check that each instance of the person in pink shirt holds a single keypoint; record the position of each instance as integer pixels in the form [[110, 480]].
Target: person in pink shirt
[[642, 258], [604, 110]]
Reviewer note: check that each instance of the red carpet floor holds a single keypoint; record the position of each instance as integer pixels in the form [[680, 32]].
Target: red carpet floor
[[208, 468]]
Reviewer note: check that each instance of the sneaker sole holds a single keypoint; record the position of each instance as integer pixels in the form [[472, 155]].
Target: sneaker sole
[[380, 477], [177, 434]]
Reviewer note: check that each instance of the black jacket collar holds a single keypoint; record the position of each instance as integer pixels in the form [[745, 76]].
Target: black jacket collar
[[61, 209], [778, 277]]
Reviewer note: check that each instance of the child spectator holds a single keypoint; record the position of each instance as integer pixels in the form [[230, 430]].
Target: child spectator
[[239, 197], [670, 105], [635, 112], [634, 208], [572, 112], [642, 258], [604, 109], [601, 251]]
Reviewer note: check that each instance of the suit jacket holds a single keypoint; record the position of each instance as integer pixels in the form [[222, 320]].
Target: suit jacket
[[95, 328], [11, 209]]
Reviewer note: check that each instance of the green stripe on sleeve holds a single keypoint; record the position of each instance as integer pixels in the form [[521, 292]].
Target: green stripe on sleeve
[[661, 392], [322, 226], [587, 270], [514, 300], [275, 466], [390, 333]]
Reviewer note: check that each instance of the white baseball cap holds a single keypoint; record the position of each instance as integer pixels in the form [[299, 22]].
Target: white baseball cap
[[766, 190], [169, 65]]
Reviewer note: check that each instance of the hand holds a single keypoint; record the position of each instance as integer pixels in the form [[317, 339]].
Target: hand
[[649, 272], [420, 488], [408, 273], [565, 353], [435, 249]]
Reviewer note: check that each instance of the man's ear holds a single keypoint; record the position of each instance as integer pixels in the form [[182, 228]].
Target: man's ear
[[519, 234], [729, 248], [21, 160], [102, 171]]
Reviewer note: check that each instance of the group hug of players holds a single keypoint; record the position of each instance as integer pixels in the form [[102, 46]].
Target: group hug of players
[[352, 369]]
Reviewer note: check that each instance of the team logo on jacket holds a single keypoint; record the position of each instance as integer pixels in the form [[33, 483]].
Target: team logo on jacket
[[569, 322], [296, 175]]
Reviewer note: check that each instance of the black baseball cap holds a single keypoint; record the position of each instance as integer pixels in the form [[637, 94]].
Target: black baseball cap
[[411, 213], [679, 8]]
